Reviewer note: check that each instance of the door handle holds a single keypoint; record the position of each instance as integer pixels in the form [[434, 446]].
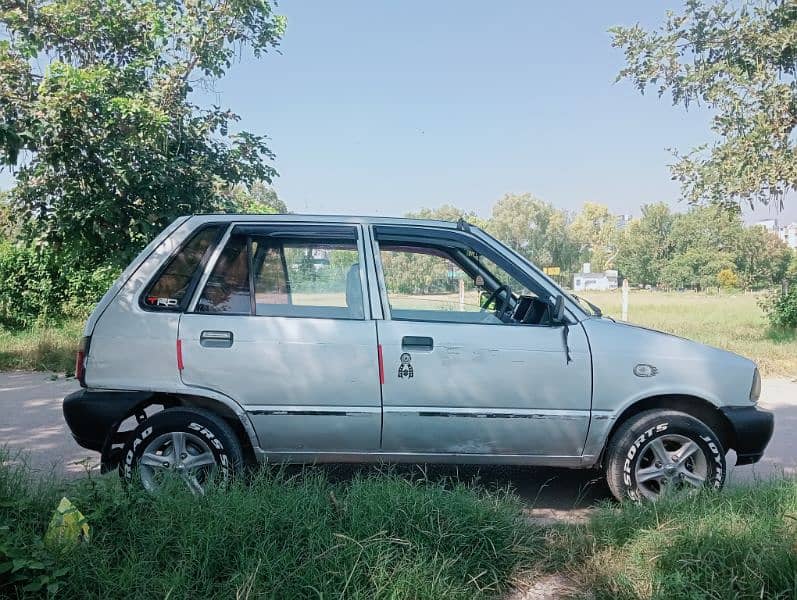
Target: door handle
[[414, 342], [215, 339]]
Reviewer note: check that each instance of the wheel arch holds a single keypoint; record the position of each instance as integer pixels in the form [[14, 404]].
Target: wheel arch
[[694, 406], [157, 401]]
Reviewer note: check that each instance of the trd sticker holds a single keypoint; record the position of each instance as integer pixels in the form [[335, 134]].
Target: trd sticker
[[167, 302], [405, 368]]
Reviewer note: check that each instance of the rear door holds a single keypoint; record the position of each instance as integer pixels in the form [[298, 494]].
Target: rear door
[[280, 324], [461, 380]]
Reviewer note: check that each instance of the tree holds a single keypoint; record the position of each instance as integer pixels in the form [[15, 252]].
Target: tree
[[113, 146], [535, 229], [705, 240], [791, 271], [449, 212], [257, 198], [762, 258], [7, 230], [740, 60], [645, 246], [727, 279], [595, 231]]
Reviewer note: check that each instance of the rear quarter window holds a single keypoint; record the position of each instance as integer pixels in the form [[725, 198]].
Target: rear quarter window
[[171, 288]]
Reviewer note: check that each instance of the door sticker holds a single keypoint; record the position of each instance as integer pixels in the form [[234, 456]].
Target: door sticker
[[405, 368]]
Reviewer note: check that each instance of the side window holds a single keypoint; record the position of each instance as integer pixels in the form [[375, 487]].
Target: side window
[[453, 283], [227, 289], [171, 289], [426, 284], [289, 278], [308, 279]]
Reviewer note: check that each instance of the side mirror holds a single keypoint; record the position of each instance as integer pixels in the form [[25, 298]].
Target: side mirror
[[558, 308]]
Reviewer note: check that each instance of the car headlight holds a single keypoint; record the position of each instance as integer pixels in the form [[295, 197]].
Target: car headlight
[[755, 389]]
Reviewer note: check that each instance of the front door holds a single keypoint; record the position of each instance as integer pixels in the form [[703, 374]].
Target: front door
[[281, 327], [464, 380]]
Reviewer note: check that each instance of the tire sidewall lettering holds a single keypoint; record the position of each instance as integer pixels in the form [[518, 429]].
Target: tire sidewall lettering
[[708, 444], [629, 462], [135, 447]]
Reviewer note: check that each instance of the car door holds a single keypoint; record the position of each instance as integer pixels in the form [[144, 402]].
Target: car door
[[462, 381], [280, 325]]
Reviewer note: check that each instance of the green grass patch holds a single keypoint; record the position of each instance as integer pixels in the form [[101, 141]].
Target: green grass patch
[[379, 534], [739, 543], [276, 536], [42, 348]]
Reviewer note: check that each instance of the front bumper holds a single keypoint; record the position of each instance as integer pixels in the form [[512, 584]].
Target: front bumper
[[752, 430]]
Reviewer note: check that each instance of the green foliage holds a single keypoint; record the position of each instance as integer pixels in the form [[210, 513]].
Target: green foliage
[[29, 565], [646, 245], [734, 544], [38, 285], [43, 347], [689, 250], [781, 308], [595, 231], [738, 59], [27, 293], [534, 228], [791, 270], [277, 536], [114, 147], [762, 258], [255, 199]]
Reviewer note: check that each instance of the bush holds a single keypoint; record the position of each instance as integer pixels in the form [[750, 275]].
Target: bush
[[781, 308], [28, 291], [39, 286]]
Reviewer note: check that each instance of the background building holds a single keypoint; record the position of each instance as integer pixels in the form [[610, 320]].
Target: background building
[[586, 280], [788, 233]]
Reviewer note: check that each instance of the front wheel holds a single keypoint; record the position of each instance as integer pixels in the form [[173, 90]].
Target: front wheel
[[659, 451], [192, 444]]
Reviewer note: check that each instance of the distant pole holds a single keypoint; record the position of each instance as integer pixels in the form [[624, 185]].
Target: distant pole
[[624, 316], [461, 294]]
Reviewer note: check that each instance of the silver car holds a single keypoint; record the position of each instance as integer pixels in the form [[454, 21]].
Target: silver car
[[236, 339]]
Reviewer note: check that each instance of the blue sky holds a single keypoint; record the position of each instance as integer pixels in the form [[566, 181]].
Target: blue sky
[[382, 107]]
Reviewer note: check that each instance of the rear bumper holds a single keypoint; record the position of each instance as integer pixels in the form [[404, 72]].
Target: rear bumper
[[752, 430], [94, 416]]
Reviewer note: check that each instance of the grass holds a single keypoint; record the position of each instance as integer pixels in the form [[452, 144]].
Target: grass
[[740, 543], [43, 348], [387, 536], [275, 536], [732, 321]]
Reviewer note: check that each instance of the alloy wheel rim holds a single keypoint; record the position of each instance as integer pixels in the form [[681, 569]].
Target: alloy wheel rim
[[670, 462], [177, 453]]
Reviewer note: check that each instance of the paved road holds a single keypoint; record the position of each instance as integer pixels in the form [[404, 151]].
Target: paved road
[[31, 421]]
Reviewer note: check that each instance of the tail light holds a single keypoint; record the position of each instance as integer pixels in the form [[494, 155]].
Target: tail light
[[80, 361]]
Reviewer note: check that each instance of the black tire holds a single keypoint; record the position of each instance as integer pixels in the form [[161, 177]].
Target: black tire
[[628, 446], [219, 439]]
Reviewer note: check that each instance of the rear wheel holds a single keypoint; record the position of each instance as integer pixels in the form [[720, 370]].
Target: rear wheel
[[661, 451], [192, 444]]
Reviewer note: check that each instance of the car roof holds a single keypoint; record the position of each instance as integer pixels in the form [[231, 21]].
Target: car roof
[[302, 218]]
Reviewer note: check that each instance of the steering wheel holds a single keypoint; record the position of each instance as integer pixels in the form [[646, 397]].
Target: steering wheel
[[494, 295]]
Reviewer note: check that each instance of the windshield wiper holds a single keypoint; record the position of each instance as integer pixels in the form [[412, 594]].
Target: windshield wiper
[[595, 309]]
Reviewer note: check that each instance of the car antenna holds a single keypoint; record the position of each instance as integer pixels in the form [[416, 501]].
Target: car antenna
[[463, 225]]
